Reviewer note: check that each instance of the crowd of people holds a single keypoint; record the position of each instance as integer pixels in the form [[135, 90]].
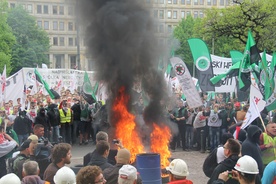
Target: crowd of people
[[36, 139]]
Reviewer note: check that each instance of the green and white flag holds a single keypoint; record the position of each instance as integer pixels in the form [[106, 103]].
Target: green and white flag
[[87, 92]]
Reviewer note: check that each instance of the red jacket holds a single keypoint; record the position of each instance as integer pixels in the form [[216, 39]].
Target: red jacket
[[181, 182]]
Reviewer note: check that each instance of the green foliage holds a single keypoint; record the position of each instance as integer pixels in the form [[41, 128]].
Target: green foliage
[[32, 43], [7, 39]]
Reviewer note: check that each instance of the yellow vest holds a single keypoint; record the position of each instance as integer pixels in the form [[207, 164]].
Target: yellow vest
[[63, 118], [269, 154]]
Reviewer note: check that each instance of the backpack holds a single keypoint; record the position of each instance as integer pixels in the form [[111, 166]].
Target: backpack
[[210, 163]]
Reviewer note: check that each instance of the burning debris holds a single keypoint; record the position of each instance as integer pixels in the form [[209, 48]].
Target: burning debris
[[120, 39]]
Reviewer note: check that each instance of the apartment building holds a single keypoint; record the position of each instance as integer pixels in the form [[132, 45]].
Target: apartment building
[[57, 18]]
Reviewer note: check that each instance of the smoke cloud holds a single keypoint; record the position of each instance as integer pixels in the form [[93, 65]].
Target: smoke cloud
[[120, 38]]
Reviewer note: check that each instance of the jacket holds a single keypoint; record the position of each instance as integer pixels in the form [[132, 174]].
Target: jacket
[[99, 160], [185, 181], [33, 179]]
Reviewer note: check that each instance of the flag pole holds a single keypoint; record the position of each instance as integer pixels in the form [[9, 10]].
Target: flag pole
[[263, 123]]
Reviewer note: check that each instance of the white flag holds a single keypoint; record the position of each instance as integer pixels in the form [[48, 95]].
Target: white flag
[[257, 104]]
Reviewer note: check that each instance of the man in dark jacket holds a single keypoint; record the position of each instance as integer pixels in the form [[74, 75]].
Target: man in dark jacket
[[42, 119], [251, 146], [22, 126], [53, 115], [76, 119], [232, 149], [99, 158]]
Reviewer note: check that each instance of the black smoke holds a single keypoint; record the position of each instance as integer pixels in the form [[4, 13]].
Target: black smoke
[[120, 38]]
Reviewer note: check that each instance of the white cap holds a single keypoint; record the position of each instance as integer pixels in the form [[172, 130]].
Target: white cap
[[247, 164], [10, 179], [178, 167], [127, 172], [65, 175]]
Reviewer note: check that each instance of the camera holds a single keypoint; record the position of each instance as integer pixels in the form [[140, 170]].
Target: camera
[[115, 141]]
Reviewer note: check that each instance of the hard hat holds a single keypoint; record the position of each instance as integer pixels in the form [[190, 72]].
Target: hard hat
[[178, 167], [247, 164], [10, 179], [65, 175]]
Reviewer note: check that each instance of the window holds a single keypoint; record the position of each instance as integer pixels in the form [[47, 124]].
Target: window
[[182, 14], [55, 25], [155, 13], [208, 2], [161, 28], [70, 26], [227, 3], [188, 2], [175, 14], [221, 2], [169, 28], [169, 14], [61, 26], [155, 27], [70, 10], [161, 14], [188, 13], [70, 41], [182, 1], [161, 1], [201, 2], [61, 41], [39, 23], [169, 1], [45, 9], [61, 10], [55, 41], [30, 8], [58, 59], [46, 25], [12, 5], [214, 2], [195, 14], [174, 1], [195, 2], [55, 10], [73, 61], [201, 15], [38, 9]]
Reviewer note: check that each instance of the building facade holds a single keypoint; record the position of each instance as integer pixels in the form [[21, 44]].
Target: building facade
[[58, 19]]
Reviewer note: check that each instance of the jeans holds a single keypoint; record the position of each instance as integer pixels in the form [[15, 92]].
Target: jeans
[[55, 134], [189, 136], [214, 133], [65, 132], [22, 138], [74, 131]]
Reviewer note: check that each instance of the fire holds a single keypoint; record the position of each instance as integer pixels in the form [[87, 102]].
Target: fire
[[160, 138], [125, 127]]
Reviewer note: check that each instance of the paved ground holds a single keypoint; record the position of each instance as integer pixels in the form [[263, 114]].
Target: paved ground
[[194, 160]]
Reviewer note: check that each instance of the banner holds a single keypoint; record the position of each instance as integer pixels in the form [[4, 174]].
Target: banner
[[186, 82], [15, 86]]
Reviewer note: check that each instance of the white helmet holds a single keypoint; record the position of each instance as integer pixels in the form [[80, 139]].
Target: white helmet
[[178, 167], [247, 164], [65, 175], [10, 179]]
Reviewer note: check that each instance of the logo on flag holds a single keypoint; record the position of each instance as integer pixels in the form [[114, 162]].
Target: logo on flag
[[179, 69], [202, 63]]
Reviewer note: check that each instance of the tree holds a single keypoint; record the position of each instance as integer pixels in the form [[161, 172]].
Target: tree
[[234, 22], [7, 39], [32, 43]]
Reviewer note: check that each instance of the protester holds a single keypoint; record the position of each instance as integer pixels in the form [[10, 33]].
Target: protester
[[232, 149], [76, 118], [91, 175], [251, 146], [22, 126], [268, 143], [111, 173], [65, 175], [54, 118], [127, 175], [61, 155], [178, 172], [246, 171], [30, 173], [269, 175], [100, 156], [42, 119], [66, 118], [10, 179]]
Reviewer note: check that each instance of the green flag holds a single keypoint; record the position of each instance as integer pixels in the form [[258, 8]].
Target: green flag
[[87, 92], [202, 61], [271, 101], [233, 71], [250, 56], [265, 76], [236, 56], [40, 79]]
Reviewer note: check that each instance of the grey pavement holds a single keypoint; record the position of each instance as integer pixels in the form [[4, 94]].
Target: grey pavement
[[194, 160]]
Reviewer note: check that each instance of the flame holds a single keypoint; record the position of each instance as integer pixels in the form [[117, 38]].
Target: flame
[[125, 127], [160, 139]]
